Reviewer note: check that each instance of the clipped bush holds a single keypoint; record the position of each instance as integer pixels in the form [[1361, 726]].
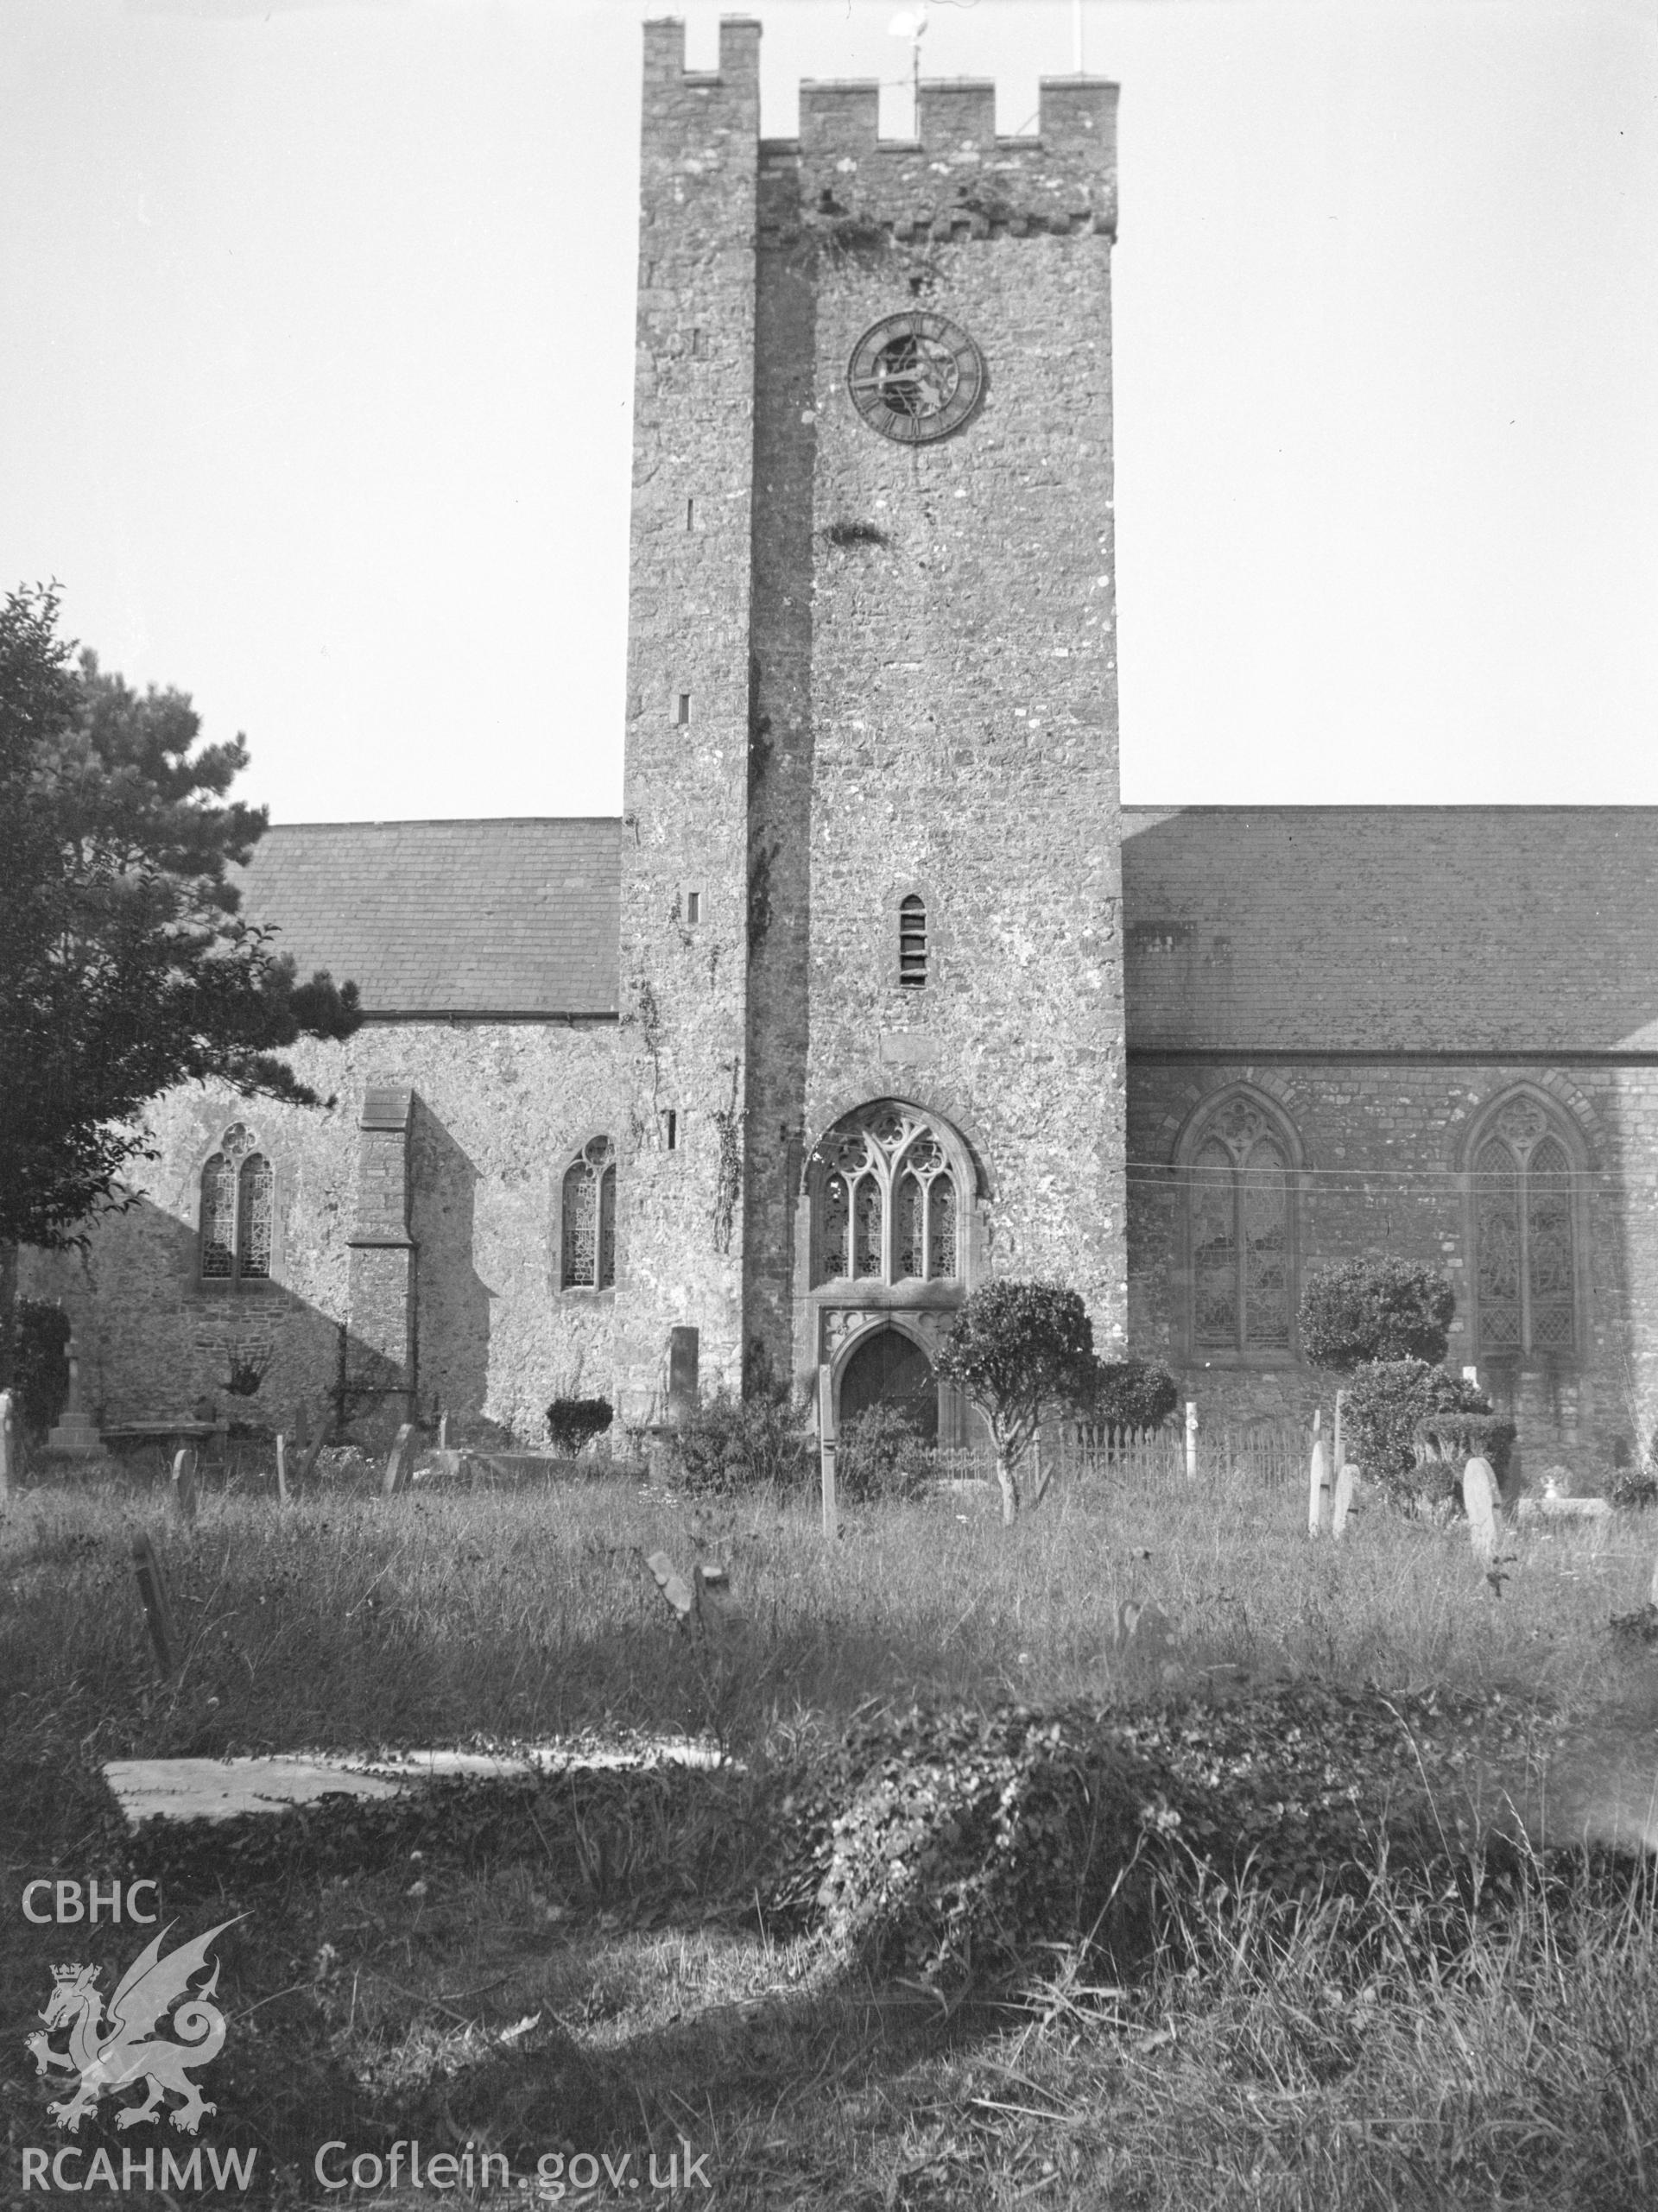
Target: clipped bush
[[1127, 1397], [881, 1455], [1361, 1311], [41, 1367], [1384, 1405], [1015, 1350], [573, 1423], [742, 1444], [1450, 1440]]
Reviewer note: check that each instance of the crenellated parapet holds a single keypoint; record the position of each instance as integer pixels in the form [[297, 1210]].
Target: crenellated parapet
[[958, 179]]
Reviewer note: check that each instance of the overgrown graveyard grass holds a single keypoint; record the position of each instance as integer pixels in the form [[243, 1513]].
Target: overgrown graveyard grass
[[579, 1960]]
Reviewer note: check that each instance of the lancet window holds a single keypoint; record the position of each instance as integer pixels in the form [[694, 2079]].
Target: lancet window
[[1526, 1260], [1241, 1216], [238, 1210], [886, 1207], [587, 1258]]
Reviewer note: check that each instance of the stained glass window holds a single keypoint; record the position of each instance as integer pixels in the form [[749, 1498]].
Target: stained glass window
[[866, 1227], [1238, 1195], [253, 1187], [941, 1227], [588, 1260], [238, 1190], [836, 1218], [910, 1256], [885, 1200], [1525, 1262]]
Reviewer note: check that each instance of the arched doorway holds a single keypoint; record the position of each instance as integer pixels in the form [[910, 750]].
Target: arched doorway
[[890, 1369]]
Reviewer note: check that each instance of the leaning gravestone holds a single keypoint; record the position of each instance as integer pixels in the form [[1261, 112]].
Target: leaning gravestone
[[1346, 1483], [677, 1593], [158, 1607], [399, 1462], [184, 1482], [1479, 1501], [1144, 1630]]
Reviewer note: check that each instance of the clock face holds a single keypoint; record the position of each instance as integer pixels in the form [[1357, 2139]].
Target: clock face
[[916, 377]]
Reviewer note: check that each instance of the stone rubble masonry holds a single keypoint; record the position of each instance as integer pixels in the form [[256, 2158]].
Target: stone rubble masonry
[[1385, 1174], [498, 1111], [935, 685], [679, 1227]]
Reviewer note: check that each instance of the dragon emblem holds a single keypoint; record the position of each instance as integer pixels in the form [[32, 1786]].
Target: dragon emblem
[[114, 2052]]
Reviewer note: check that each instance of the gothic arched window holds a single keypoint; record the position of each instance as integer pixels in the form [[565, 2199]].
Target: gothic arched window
[[886, 1209], [587, 1258], [1525, 1255], [1241, 1222], [237, 1189]]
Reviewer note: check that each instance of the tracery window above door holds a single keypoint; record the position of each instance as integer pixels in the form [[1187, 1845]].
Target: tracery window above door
[[587, 1243], [1525, 1268], [237, 1189], [1241, 1222], [886, 1207]]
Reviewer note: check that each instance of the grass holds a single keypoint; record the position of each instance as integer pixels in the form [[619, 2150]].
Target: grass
[[577, 1966]]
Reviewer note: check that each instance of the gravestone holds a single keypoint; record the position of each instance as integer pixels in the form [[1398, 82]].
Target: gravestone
[[1346, 1483], [281, 1468], [8, 1445], [158, 1606], [399, 1462], [718, 1616], [184, 1482], [682, 1356], [1191, 1440], [443, 1433], [677, 1593], [1479, 1501], [74, 1436], [1318, 1487], [1144, 1630]]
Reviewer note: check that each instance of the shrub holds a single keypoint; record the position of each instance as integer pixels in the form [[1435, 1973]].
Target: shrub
[[41, 1368], [742, 1444], [1384, 1405], [881, 1455], [1015, 1350], [1368, 1309], [1128, 1397], [1453, 1439], [573, 1422]]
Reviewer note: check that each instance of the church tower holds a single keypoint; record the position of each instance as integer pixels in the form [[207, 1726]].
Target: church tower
[[872, 729]]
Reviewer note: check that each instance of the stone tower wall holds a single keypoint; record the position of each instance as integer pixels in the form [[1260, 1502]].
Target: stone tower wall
[[680, 1228], [935, 685]]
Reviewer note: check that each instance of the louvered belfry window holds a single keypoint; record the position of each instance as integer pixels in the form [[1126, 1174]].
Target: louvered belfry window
[[237, 1192], [912, 942], [1238, 1187], [1525, 1269], [886, 1205], [588, 1260]]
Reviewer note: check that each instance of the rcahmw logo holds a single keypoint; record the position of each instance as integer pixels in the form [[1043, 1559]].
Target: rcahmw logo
[[110, 2051]]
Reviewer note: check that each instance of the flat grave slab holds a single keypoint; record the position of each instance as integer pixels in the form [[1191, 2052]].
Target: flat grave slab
[[225, 1789]]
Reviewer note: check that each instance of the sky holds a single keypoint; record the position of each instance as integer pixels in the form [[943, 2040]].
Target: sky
[[315, 387]]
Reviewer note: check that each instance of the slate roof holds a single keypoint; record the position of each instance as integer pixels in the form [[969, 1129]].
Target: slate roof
[[514, 918], [1357, 930], [1373, 929]]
